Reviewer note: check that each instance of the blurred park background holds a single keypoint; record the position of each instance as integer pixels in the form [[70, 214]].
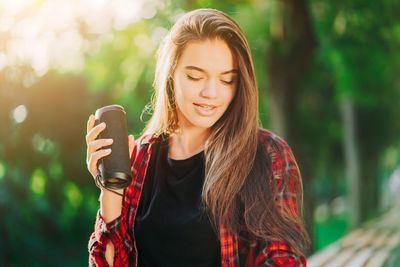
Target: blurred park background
[[329, 83]]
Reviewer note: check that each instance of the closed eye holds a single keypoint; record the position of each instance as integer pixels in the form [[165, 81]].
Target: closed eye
[[229, 82], [193, 78]]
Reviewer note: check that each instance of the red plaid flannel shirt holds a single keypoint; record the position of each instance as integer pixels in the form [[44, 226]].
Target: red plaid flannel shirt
[[233, 252]]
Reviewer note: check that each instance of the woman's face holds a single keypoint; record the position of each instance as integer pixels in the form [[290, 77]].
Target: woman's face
[[205, 81]]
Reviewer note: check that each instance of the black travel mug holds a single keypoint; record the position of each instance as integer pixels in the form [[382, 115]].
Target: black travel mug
[[115, 169]]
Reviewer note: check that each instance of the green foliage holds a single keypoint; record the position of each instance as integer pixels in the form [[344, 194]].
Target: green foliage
[[356, 58], [329, 231]]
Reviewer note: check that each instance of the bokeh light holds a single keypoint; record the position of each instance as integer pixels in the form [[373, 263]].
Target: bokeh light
[[38, 182], [2, 170], [43, 145], [19, 113], [47, 34]]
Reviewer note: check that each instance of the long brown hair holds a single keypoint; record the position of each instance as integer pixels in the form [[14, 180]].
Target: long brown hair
[[237, 186]]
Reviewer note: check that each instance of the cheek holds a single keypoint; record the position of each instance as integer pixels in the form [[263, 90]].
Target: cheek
[[178, 88], [182, 92], [186, 90], [229, 94]]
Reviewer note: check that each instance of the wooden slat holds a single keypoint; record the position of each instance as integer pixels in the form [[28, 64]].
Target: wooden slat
[[381, 239], [378, 259], [321, 258], [342, 258], [360, 258], [361, 240], [368, 246], [393, 241]]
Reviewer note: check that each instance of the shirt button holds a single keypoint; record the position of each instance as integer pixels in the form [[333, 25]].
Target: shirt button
[[226, 260]]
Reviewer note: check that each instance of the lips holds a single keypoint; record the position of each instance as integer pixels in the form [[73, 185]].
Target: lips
[[204, 105], [205, 109]]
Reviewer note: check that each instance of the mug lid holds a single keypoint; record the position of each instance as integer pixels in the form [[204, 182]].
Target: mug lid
[[108, 108]]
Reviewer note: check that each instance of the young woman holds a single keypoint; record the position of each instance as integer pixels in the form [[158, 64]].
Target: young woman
[[210, 186]]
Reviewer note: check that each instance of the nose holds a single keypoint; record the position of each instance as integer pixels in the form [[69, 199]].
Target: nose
[[210, 89]]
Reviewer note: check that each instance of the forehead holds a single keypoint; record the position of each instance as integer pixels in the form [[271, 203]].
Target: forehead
[[211, 55]]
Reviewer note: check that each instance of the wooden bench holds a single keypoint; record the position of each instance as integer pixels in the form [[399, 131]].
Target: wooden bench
[[372, 245]]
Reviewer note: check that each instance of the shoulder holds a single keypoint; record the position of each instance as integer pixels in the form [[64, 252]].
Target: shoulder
[[148, 139], [142, 145], [272, 143], [279, 153], [145, 142]]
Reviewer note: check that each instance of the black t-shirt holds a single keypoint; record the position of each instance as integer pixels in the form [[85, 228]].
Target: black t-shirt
[[172, 227]]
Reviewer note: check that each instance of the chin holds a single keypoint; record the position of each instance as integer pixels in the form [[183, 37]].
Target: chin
[[202, 123], [196, 121]]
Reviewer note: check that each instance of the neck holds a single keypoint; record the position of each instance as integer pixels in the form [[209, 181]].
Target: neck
[[189, 142]]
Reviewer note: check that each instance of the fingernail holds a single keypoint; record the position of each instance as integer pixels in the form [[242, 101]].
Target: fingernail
[[108, 150], [110, 141], [103, 124]]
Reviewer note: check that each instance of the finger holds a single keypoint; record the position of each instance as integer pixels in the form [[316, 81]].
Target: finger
[[95, 157], [90, 123], [97, 144], [94, 132], [131, 141]]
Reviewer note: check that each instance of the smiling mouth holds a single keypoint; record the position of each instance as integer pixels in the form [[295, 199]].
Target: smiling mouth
[[205, 110], [206, 107]]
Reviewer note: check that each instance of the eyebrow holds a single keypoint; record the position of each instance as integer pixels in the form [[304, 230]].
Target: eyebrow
[[235, 71]]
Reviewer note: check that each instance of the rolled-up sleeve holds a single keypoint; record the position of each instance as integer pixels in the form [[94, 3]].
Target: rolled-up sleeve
[[114, 232]]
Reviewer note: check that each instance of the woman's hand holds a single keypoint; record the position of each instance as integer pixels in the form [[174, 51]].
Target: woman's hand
[[97, 148]]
